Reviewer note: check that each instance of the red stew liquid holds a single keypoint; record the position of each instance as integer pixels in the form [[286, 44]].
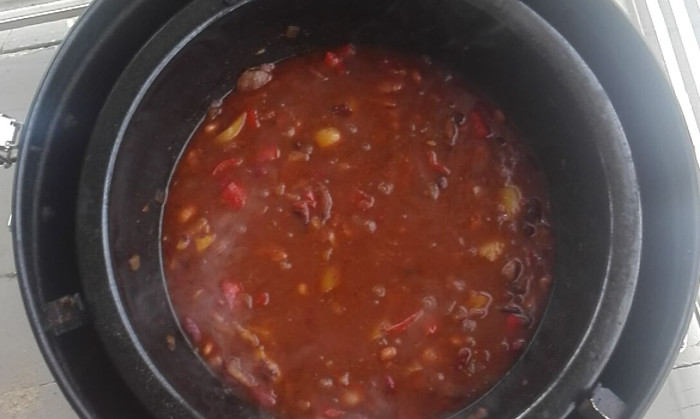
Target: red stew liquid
[[355, 234]]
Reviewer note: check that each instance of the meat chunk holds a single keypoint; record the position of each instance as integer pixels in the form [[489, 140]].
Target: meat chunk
[[255, 78]]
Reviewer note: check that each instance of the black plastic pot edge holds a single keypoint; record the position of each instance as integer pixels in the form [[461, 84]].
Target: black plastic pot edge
[[42, 114], [603, 25], [625, 196], [122, 334], [27, 177]]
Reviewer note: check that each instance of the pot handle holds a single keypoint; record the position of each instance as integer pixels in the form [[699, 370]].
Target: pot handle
[[602, 404], [10, 130]]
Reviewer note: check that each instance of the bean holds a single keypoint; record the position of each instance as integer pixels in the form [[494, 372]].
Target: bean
[[468, 325], [264, 396], [385, 187], [433, 191], [492, 250], [387, 353], [429, 302], [192, 330], [325, 383], [351, 398], [327, 137], [464, 355], [134, 262], [207, 348], [233, 369], [170, 342], [512, 269], [248, 336]]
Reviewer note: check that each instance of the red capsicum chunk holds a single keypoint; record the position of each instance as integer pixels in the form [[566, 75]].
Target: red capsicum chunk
[[234, 196], [405, 324]]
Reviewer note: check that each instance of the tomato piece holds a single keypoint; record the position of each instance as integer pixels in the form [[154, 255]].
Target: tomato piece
[[234, 196], [331, 59], [268, 153], [405, 324], [302, 208], [252, 118], [230, 290], [263, 299], [226, 165], [309, 197], [514, 322], [478, 126], [436, 165]]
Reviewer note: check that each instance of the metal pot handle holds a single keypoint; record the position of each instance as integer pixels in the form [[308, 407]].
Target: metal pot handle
[[10, 130]]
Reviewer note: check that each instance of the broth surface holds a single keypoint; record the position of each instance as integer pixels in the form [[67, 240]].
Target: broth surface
[[356, 234]]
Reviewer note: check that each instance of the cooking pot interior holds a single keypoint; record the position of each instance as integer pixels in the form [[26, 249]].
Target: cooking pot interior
[[506, 52]]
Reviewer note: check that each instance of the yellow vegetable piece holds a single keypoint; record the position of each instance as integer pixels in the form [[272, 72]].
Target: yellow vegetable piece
[[183, 243], [201, 227], [327, 137], [232, 131], [492, 250], [203, 243], [330, 279], [510, 199], [187, 213], [478, 300], [378, 331]]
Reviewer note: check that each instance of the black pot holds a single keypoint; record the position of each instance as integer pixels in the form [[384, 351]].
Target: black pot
[[157, 100]]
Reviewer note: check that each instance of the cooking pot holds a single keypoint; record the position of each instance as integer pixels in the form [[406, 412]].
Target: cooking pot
[[129, 113]]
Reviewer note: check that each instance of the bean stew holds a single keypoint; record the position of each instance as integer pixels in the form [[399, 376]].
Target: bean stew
[[354, 233]]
